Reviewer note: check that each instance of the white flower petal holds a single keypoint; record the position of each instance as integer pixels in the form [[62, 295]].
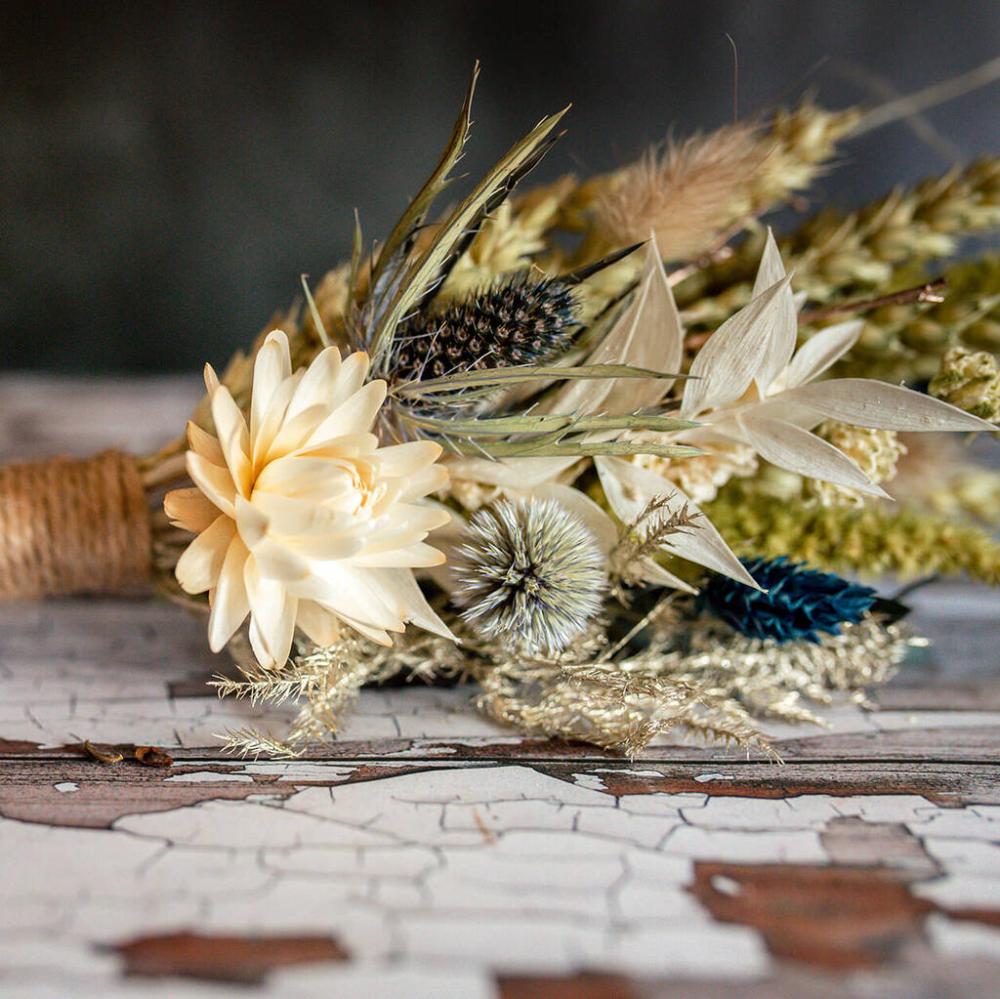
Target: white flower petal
[[201, 562], [271, 420], [401, 590], [510, 473], [234, 439], [203, 443], [214, 481], [653, 573], [319, 625], [732, 356], [294, 476], [317, 385], [407, 459], [273, 614], [276, 561], [864, 402], [427, 480], [230, 605], [630, 487], [294, 433], [784, 331], [189, 509], [799, 451], [211, 378], [414, 556], [655, 340], [353, 416], [349, 379], [272, 366], [351, 593], [289, 517], [821, 351]]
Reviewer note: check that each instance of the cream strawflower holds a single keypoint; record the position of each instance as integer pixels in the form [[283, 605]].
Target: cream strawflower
[[302, 519]]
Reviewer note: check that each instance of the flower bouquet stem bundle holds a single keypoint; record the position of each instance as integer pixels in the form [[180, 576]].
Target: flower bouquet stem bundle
[[491, 449]]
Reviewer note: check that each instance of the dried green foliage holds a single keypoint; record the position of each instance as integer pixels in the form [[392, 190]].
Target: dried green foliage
[[908, 342], [870, 540]]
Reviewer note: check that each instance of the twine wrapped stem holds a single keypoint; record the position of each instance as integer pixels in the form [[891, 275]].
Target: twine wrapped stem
[[73, 526]]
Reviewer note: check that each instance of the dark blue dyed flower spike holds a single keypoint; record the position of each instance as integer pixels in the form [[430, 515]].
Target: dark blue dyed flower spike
[[799, 602]]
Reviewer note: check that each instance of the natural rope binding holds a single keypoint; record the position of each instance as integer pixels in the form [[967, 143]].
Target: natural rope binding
[[73, 526]]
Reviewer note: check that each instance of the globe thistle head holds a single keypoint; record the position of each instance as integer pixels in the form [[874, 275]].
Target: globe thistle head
[[516, 321], [799, 602], [530, 575]]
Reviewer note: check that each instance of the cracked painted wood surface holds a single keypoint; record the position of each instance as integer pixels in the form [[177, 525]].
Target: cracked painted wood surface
[[431, 853]]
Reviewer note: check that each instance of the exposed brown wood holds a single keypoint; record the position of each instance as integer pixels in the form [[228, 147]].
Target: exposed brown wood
[[244, 959], [840, 918]]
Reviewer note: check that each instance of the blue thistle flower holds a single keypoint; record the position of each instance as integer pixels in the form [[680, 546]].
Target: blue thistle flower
[[798, 604]]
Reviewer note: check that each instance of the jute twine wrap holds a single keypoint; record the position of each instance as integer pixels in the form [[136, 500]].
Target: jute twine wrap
[[69, 526]]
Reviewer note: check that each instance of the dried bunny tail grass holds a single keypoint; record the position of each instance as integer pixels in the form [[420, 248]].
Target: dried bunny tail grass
[[688, 193], [685, 194]]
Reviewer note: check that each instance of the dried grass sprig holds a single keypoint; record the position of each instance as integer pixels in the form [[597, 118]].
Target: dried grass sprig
[[835, 254], [645, 537]]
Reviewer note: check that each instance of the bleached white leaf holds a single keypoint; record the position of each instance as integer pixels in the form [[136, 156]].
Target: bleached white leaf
[[784, 331], [648, 335], [654, 574], [799, 451], [731, 357], [865, 402], [656, 340], [509, 473], [629, 488], [822, 351]]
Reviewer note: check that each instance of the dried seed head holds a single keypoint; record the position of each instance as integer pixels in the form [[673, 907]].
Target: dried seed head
[[530, 575], [517, 321], [797, 602]]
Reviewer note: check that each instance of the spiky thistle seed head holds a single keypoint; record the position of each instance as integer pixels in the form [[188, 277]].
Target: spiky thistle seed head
[[516, 321], [530, 575], [797, 602]]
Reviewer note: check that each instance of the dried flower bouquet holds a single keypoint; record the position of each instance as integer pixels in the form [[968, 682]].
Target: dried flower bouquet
[[577, 444]]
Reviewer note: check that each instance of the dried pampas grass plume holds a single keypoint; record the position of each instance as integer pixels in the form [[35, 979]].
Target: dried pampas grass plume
[[685, 192]]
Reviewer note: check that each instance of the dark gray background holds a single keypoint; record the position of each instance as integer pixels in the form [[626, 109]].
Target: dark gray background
[[168, 170]]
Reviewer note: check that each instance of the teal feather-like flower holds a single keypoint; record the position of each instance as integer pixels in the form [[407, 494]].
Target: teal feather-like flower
[[798, 604]]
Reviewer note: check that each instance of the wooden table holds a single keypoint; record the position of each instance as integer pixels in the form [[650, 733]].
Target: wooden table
[[432, 854]]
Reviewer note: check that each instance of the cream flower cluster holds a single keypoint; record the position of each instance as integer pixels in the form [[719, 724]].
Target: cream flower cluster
[[303, 520]]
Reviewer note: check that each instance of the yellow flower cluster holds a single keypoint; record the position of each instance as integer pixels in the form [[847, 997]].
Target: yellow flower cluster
[[970, 381], [875, 452]]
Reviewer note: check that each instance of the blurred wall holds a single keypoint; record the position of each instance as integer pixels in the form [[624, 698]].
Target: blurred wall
[[168, 170]]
